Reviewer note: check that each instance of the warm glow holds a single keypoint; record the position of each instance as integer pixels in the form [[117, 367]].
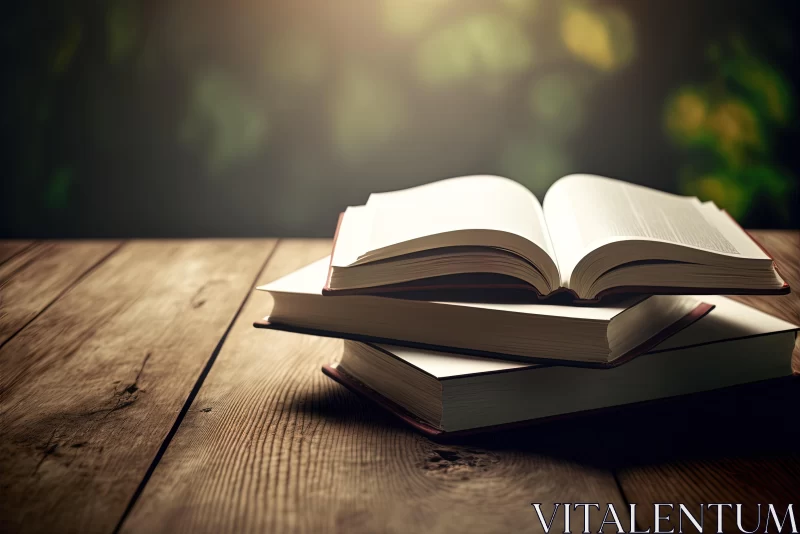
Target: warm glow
[[587, 37], [409, 17], [480, 44], [604, 40], [686, 116], [736, 127]]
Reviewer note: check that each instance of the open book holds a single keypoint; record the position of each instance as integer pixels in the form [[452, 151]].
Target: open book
[[590, 237]]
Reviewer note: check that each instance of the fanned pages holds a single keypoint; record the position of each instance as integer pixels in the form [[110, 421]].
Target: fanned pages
[[591, 237], [575, 335]]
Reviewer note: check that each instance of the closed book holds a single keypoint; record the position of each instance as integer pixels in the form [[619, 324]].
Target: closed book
[[601, 336], [447, 394]]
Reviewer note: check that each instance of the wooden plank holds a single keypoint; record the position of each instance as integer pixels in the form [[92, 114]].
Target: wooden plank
[[90, 389], [10, 248], [271, 445], [38, 275], [736, 446]]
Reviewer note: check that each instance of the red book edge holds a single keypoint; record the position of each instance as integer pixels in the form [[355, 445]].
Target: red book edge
[[422, 285], [695, 314]]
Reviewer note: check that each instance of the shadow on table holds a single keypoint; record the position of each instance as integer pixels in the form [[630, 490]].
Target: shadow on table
[[753, 420]]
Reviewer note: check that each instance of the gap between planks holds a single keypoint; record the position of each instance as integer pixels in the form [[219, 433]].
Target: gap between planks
[[82, 276], [147, 300], [8, 256], [192, 394]]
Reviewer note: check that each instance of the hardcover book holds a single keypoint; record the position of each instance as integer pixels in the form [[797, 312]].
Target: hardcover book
[[440, 393], [591, 237], [602, 336]]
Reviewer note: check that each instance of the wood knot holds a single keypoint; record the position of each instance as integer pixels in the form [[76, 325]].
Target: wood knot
[[459, 463]]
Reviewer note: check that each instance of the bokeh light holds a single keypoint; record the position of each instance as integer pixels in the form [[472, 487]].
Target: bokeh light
[[735, 126], [556, 103], [603, 39], [409, 17], [766, 88], [687, 112], [343, 98], [728, 126], [481, 44], [522, 8], [227, 123]]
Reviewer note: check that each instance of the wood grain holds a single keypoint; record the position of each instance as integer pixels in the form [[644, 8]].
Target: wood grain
[[271, 445], [39, 274], [733, 446], [9, 249], [90, 389]]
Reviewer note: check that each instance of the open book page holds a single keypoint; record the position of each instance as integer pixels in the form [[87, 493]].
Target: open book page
[[584, 212], [723, 222], [466, 203], [353, 233]]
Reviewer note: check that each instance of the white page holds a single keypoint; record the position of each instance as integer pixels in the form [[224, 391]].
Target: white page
[[443, 365], [465, 203], [352, 235], [585, 211]]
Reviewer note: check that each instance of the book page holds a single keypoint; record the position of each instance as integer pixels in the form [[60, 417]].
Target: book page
[[466, 203], [585, 211], [352, 234]]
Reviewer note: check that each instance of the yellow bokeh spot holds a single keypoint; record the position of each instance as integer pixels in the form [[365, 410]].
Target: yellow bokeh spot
[[409, 17], [604, 40], [686, 114], [736, 128]]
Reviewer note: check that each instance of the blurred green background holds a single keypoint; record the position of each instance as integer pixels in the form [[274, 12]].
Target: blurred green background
[[209, 118]]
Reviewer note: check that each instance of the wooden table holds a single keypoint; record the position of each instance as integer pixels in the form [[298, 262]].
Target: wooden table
[[135, 396]]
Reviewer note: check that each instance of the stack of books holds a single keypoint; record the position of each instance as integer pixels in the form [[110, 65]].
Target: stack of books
[[466, 304]]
